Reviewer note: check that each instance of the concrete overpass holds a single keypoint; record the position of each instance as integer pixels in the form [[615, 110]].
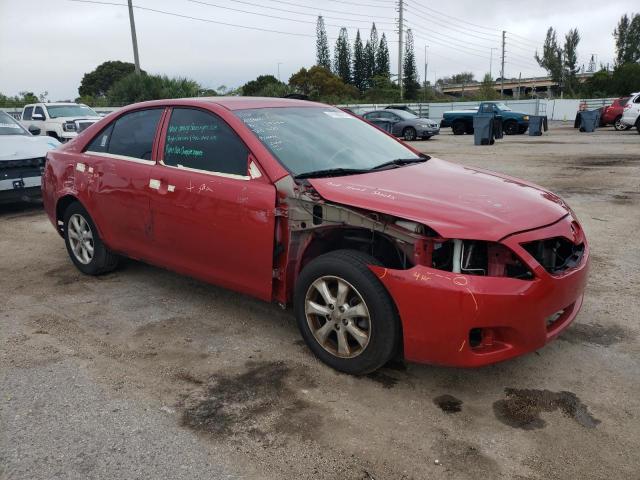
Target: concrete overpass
[[525, 86]]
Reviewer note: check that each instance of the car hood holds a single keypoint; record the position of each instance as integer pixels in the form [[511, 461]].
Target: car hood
[[455, 201], [18, 147]]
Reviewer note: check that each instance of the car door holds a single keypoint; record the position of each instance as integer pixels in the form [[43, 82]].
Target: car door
[[38, 117], [117, 164], [212, 218]]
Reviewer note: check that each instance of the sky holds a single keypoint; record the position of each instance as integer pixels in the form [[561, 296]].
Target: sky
[[48, 45]]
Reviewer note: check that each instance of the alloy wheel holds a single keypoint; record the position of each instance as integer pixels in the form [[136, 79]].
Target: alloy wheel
[[338, 317], [80, 238]]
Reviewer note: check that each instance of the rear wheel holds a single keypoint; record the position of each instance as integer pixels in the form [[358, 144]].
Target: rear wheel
[[458, 128], [618, 125], [83, 242], [409, 134], [345, 314]]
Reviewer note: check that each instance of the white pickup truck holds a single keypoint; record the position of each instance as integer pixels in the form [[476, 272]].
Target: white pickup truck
[[62, 121]]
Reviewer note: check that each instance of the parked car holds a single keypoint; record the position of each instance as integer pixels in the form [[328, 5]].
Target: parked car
[[21, 160], [401, 123], [380, 249], [612, 114], [631, 112], [62, 121], [461, 121]]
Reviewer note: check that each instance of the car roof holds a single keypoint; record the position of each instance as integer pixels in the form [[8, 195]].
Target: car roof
[[234, 103]]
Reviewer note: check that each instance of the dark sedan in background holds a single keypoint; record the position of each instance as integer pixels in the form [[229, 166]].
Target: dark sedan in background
[[401, 123]]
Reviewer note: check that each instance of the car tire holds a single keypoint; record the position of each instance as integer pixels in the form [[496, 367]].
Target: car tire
[[409, 134], [618, 125], [87, 251], [458, 128], [510, 127], [638, 124], [350, 343]]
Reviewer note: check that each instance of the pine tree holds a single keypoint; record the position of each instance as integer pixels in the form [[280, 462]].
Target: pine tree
[[410, 71], [369, 62], [383, 65], [342, 57], [627, 36], [571, 41], [323, 57], [360, 74]]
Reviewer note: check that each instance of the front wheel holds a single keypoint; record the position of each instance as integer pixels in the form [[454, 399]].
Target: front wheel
[[409, 134], [83, 242], [510, 128], [345, 315]]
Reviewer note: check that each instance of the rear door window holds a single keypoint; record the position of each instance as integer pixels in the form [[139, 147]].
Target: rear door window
[[131, 135], [203, 141]]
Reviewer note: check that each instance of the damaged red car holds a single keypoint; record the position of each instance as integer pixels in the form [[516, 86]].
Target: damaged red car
[[381, 250]]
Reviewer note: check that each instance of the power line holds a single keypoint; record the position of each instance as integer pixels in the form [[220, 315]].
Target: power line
[[266, 14], [359, 4], [452, 39], [316, 9], [535, 42], [457, 30], [455, 18], [189, 17], [315, 15]]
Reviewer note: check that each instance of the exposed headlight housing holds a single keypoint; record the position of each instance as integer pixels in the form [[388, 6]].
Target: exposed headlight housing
[[69, 127], [526, 117]]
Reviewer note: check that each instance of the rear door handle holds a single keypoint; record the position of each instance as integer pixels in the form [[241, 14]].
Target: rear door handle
[[156, 184]]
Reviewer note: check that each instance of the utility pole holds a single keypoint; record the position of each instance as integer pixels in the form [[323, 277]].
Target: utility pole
[[134, 39], [504, 35], [426, 67], [400, 39], [519, 83], [279, 63], [491, 63]]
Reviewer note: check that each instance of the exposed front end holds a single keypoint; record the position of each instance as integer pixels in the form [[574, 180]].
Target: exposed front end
[[526, 291]]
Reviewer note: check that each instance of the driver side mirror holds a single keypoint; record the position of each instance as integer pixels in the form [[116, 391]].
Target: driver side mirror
[[37, 116], [34, 130]]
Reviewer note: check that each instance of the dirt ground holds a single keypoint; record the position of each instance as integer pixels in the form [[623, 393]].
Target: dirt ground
[[143, 373]]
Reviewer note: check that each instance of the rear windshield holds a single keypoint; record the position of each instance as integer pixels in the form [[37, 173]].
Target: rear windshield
[[8, 126]]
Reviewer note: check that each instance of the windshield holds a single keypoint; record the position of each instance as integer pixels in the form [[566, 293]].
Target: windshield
[[56, 111], [309, 139], [502, 106], [9, 126]]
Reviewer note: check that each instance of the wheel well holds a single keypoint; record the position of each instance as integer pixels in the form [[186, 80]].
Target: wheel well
[[61, 207], [378, 245], [52, 134]]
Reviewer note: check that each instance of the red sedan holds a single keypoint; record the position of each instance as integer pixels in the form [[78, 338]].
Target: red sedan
[[380, 249], [612, 114]]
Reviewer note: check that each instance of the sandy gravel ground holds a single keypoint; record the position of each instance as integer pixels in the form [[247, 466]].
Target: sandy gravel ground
[[146, 374]]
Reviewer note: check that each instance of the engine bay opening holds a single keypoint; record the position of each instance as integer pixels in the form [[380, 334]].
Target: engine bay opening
[[475, 257]]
